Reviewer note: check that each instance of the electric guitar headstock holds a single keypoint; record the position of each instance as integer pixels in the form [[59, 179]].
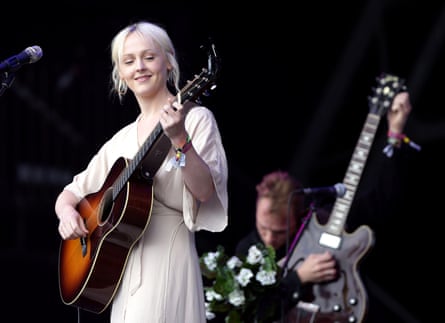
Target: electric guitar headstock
[[388, 86]]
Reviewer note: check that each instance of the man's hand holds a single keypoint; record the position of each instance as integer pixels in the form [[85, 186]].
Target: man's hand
[[317, 268]]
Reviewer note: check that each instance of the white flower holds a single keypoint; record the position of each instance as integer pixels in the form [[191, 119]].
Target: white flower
[[209, 314], [236, 297], [236, 285], [212, 295], [243, 278], [266, 277], [234, 262], [254, 256], [210, 260]]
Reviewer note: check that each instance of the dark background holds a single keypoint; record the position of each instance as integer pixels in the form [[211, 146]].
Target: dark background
[[292, 95]]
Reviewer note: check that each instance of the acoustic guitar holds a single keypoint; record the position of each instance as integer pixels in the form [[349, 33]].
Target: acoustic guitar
[[91, 268], [343, 300]]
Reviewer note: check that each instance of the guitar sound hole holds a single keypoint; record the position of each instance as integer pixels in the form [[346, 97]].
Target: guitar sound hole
[[106, 205]]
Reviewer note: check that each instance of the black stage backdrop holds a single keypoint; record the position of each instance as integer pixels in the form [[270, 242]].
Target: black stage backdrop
[[292, 95]]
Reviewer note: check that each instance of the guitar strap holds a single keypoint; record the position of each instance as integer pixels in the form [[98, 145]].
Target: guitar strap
[[154, 157], [158, 151]]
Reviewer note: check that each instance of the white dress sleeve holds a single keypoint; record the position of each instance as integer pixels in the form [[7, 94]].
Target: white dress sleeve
[[211, 215]]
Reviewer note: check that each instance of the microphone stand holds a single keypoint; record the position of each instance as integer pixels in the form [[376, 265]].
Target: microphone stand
[[290, 250], [297, 237], [6, 82]]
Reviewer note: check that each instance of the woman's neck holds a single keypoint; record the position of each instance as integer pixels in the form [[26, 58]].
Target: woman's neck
[[151, 106]]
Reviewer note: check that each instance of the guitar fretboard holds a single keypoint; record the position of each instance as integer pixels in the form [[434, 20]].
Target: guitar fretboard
[[337, 219]]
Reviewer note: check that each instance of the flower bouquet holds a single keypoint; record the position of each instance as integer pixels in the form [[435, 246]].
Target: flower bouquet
[[235, 286]]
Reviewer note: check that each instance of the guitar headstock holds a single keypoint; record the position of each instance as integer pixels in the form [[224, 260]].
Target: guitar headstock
[[204, 82], [388, 86]]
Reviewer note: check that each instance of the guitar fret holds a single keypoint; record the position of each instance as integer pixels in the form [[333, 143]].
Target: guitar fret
[[351, 179], [334, 229], [360, 154], [341, 207], [373, 119], [370, 126], [356, 167], [366, 140], [349, 194], [364, 145], [336, 222]]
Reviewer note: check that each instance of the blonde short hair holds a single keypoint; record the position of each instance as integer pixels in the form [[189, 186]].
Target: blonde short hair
[[159, 36]]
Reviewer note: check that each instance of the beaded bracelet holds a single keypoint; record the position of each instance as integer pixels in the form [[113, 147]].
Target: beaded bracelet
[[179, 159], [181, 151], [395, 140]]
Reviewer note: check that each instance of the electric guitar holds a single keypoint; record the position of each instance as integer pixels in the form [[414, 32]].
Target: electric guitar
[[343, 300], [91, 268]]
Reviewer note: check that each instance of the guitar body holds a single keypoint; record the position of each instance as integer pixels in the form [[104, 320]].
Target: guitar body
[[344, 299], [90, 270]]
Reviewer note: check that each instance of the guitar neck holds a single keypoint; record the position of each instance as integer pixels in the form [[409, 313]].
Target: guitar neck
[[136, 161], [337, 219]]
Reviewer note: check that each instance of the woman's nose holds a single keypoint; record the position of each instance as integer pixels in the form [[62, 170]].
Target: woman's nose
[[140, 64]]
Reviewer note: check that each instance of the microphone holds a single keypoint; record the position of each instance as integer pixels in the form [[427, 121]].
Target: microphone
[[338, 190], [29, 55]]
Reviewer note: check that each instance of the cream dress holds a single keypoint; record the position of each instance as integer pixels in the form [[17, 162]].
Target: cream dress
[[162, 281]]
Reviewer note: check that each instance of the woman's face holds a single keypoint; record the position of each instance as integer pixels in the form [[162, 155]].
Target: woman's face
[[143, 65]]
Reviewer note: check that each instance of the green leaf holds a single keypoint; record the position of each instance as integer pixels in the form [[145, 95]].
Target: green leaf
[[233, 317]]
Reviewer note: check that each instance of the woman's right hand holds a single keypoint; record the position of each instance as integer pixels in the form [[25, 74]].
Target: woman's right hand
[[71, 224]]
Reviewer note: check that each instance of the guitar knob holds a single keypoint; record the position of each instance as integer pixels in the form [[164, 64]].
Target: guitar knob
[[352, 319], [353, 301], [336, 308]]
